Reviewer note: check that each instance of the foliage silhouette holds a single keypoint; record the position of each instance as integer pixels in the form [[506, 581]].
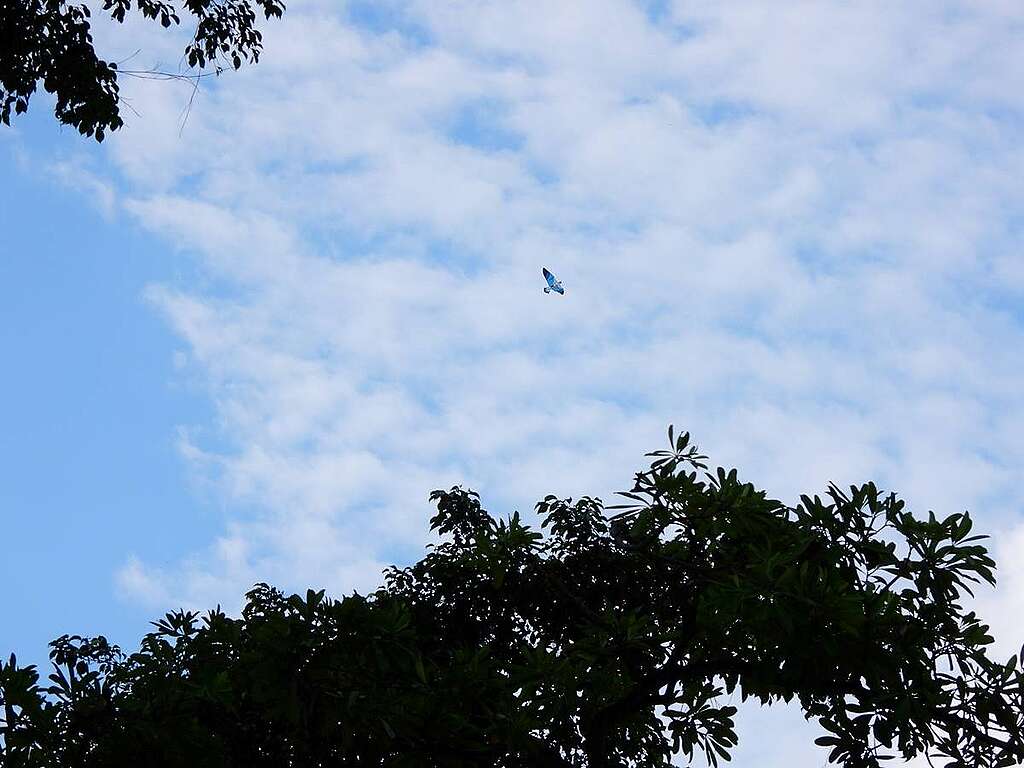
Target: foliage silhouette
[[50, 41], [604, 641]]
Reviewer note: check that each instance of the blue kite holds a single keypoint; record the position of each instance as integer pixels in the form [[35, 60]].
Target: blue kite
[[553, 284]]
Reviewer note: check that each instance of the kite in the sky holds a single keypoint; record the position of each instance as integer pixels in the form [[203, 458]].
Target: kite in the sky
[[553, 284]]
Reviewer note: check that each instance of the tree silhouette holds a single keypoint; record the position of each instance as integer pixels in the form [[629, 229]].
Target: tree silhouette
[[49, 41], [596, 641]]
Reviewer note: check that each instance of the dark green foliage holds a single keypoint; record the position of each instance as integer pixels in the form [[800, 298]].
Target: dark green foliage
[[50, 41], [605, 642]]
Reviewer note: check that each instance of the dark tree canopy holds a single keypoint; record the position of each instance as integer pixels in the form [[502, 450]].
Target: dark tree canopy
[[599, 641], [50, 41]]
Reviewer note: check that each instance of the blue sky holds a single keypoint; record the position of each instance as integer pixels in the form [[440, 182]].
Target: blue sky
[[249, 351], [90, 406]]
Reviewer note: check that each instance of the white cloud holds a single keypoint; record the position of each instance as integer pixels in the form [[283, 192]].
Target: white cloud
[[75, 174], [790, 229]]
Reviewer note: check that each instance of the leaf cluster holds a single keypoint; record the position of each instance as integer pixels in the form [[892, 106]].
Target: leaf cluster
[[50, 42]]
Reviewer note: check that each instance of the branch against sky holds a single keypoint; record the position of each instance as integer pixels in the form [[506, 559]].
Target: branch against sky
[[50, 41]]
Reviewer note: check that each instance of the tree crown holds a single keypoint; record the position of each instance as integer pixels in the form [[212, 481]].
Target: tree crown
[[593, 641]]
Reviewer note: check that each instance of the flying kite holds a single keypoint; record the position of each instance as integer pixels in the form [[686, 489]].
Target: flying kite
[[553, 283]]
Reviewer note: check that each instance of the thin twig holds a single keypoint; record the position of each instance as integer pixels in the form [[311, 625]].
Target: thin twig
[[156, 74], [188, 108], [129, 58], [128, 104]]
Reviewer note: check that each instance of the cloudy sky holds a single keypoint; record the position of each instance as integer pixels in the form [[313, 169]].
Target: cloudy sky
[[247, 346]]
